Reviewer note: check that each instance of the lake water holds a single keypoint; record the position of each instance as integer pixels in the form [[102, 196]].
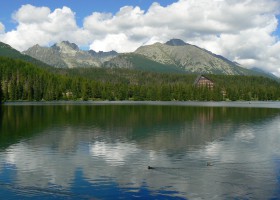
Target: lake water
[[102, 151]]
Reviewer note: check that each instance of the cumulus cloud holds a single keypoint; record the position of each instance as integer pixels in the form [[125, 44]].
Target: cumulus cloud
[[240, 30], [119, 42], [30, 14], [38, 25]]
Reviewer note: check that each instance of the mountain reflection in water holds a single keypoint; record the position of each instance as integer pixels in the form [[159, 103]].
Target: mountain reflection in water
[[103, 151]]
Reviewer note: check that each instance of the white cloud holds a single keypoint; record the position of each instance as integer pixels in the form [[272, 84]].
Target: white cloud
[[119, 42], [38, 25], [115, 154], [240, 30], [30, 14]]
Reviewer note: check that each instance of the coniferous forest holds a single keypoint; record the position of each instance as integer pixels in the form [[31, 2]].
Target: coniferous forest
[[23, 81]]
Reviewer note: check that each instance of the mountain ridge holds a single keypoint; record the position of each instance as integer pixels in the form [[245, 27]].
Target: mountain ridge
[[191, 58], [63, 55], [173, 56]]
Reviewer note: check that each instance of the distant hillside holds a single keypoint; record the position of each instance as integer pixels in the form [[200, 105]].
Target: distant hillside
[[7, 51], [265, 74]]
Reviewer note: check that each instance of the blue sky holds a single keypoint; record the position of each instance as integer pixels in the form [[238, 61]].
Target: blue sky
[[243, 31], [277, 32]]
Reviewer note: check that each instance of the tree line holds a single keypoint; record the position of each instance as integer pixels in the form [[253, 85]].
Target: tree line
[[22, 81]]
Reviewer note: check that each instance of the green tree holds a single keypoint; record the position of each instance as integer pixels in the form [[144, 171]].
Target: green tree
[[24, 81], [85, 91], [1, 92]]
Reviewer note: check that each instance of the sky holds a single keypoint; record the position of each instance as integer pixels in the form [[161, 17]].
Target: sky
[[244, 31]]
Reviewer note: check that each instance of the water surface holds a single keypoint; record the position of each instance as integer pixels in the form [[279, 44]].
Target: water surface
[[102, 151]]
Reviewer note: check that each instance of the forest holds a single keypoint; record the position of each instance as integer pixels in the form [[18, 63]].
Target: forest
[[23, 81]]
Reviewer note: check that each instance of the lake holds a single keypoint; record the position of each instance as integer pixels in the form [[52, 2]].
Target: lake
[[102, 150]]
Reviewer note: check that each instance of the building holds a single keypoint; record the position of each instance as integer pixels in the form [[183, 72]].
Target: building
[[203, 81]]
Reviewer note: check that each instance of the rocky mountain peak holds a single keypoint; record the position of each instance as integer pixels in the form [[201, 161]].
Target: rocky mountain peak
[[102, 53], [103, 56], [37, 46], [66, 46], [33, 50], [176, 42]]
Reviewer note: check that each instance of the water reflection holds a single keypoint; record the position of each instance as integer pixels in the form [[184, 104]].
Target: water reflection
[[85, 149]]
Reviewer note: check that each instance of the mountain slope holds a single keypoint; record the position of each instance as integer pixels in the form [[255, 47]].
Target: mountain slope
[[140, 62], [68, 55], [190, 58], [74, 57], [46, 55], [7, 51]]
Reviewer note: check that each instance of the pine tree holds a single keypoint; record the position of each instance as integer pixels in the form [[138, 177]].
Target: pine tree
[[1, 92]]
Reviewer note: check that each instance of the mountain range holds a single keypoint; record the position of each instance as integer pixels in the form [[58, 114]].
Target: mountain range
[[172, 56], [68, 55]]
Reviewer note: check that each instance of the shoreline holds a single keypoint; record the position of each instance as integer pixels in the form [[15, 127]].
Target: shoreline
[[252, 104]]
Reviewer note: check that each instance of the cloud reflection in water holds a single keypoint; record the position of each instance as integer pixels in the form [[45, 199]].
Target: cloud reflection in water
[[241, 155]]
